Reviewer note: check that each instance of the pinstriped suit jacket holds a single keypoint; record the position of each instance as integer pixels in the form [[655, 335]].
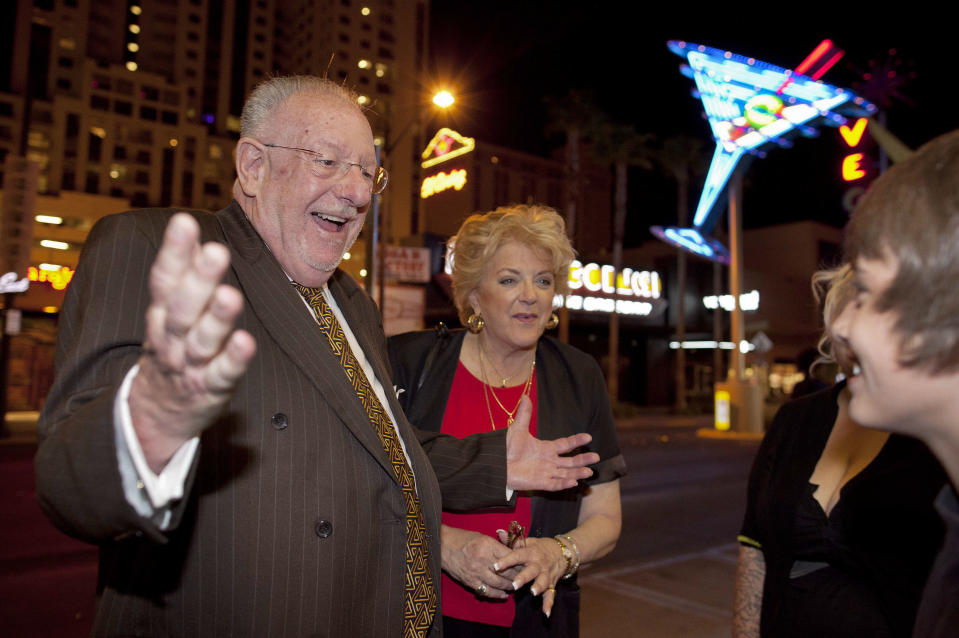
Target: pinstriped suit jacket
[[292, 523]]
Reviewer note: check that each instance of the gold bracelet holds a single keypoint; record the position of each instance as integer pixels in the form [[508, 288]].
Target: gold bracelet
[[567, 554], [571, 543]]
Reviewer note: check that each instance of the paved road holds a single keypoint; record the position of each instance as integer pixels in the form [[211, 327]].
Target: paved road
[[672, 573]]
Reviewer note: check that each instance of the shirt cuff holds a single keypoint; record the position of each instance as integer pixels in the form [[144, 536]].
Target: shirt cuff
[[161, 489]]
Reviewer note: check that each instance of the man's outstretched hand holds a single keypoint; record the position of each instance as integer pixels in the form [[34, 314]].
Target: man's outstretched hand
[[532, 464], [192, 357]]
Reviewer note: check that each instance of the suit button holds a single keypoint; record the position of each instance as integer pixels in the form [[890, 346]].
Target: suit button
[[323, 529], [279, 421]]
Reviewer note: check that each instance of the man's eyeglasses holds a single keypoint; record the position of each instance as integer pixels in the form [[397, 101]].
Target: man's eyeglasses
[[329, 167]]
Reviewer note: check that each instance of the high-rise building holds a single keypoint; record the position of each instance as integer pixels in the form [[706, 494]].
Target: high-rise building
[[130, 103], [140, 99]]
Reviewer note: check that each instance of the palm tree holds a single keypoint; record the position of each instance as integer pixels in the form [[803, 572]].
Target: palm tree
[[623, 147], [576, 116], [682, 157]]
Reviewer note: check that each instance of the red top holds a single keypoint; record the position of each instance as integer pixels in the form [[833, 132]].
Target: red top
[[466, 414]]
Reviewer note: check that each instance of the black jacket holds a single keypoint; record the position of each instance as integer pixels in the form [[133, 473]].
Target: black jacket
[[571, 398]]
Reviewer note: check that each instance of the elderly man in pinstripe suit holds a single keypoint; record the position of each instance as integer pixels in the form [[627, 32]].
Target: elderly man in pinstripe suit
[[203, 432]]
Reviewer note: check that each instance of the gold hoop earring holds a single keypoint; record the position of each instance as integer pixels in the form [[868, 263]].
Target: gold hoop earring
[[553, 321], [475, 323]]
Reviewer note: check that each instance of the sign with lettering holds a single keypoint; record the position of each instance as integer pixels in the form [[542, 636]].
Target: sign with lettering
[[407, 264], [59, 279], [443, 181]]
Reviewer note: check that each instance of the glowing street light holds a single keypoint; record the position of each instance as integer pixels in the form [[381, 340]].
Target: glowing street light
[[443, 99]]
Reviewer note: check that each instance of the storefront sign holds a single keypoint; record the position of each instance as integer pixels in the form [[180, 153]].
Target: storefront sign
[[58, 279], [603, 280], [445, 145], [407, 264], [747, 301], [596, 278], [443, 181]]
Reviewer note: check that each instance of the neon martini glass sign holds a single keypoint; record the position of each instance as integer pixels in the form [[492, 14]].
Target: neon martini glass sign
[[752, 106]]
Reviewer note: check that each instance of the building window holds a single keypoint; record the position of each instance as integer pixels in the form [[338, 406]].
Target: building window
[[148, 113], [93, 183], [99, 102], [120, 152], [169, 117], [122, 107], [143, 157], [95, 148]]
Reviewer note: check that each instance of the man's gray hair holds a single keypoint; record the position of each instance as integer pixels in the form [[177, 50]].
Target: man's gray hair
[[271, 93]]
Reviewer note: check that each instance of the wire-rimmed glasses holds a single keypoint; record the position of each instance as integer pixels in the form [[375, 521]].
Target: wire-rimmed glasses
[[325, 166]]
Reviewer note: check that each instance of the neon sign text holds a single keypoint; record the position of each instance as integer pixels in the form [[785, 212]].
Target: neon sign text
[[852, 167], [747, 301], [596, 278], [605, 304], [443, 181], [58, 279]]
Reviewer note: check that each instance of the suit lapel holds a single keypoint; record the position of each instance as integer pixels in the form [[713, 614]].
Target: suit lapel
[[292, 328]]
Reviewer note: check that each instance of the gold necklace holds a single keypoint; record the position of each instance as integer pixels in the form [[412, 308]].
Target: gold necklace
[[487, 390], [503, 380]]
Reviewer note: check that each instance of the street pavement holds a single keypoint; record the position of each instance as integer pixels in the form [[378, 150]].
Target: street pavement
[[670, 576], [673, 570]]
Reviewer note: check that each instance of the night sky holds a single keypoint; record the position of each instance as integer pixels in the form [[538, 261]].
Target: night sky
[[502, 58]]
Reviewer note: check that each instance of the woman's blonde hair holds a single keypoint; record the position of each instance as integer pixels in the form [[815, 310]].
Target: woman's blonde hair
[[833, 289], [472, 248]]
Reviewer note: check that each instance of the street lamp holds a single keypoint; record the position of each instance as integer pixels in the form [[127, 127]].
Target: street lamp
[[375, 263], [443, 99]]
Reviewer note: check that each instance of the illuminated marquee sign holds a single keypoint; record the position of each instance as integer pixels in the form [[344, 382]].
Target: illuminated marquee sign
[[443, 181], [446, 145], [597, 278], [747, 301], [852, 168], [59, 279], [629, 282], [752, 106]]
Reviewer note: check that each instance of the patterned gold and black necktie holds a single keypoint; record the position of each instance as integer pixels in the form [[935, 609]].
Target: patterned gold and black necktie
[[420, 593]]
